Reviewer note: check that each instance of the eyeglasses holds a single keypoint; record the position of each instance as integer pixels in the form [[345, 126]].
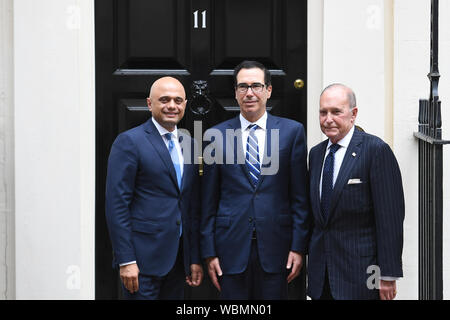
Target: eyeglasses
[[256, 87]]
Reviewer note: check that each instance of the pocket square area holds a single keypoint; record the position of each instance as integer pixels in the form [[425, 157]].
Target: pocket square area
[[354, 181]]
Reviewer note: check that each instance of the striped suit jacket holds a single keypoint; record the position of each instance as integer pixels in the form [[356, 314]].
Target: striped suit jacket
[[365, 225]]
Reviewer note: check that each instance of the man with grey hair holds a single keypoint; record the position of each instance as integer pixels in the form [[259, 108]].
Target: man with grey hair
[[358, 208]]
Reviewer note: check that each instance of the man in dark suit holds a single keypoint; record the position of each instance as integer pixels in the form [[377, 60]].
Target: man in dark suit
[[254, 208], [358, 209], [151, 201]]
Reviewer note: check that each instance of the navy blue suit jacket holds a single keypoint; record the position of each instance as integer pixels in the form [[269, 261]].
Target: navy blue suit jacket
[[365, 223], [144, 205], [276, 208]]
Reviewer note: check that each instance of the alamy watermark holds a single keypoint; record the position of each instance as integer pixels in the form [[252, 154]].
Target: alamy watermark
[[73, 281], [373, 282], [229, 144]]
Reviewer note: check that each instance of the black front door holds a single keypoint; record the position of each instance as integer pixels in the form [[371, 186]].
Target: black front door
[[138, 41]]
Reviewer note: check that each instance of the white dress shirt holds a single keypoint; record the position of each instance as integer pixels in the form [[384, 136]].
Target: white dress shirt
[[260, 133]]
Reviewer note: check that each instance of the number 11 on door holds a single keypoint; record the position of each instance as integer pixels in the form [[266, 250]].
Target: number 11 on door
[[203, 19]]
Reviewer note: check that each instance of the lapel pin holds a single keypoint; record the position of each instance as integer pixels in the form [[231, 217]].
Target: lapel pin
[[354, 154]]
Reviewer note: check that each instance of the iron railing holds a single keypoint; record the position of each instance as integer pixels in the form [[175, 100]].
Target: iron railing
[[430, 142]]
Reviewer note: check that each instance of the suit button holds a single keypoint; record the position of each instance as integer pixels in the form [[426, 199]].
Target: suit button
[[178, 222], [250, 219]]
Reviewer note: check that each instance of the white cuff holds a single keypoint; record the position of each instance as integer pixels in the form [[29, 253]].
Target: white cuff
[[126, 263], [389, 278]]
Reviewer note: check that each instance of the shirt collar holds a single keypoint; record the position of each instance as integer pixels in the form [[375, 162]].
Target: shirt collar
[[261, 122], [345, 141], [162, 131]]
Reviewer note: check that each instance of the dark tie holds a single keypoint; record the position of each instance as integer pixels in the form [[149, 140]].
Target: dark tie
[[327, 180], [252, 155]]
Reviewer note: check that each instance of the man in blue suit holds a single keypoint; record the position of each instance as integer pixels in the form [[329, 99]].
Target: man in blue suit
[[254, 208], [152, 207], [356, 195]]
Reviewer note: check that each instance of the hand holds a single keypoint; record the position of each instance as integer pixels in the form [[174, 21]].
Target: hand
[[388, 290], [196, 276], [129, 276], [295, 262], [213, 269]]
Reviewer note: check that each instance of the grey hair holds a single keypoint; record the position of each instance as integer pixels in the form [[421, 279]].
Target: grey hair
[[350, 94]]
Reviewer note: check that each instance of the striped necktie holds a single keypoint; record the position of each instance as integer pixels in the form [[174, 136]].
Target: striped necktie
[[252, 155], [327, 180]]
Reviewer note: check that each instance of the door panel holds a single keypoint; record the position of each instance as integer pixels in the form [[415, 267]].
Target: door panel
[[247, 29], [146, 43], [138, 41]]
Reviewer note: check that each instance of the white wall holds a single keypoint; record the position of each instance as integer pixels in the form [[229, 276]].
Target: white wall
[[54, 148], [350, 42], [7, 276], [315, 82], [353, 54], [411, 61]]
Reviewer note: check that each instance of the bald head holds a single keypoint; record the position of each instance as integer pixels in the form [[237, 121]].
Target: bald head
[[167, 102], [166, 82], [349, 92]]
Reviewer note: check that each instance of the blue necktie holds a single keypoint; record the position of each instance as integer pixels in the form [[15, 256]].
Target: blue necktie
[[174, 155], [176, 164], [327, 180], [252, 155]]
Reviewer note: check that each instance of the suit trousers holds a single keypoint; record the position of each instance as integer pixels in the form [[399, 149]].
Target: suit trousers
[[254, 283], [168, 287]]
